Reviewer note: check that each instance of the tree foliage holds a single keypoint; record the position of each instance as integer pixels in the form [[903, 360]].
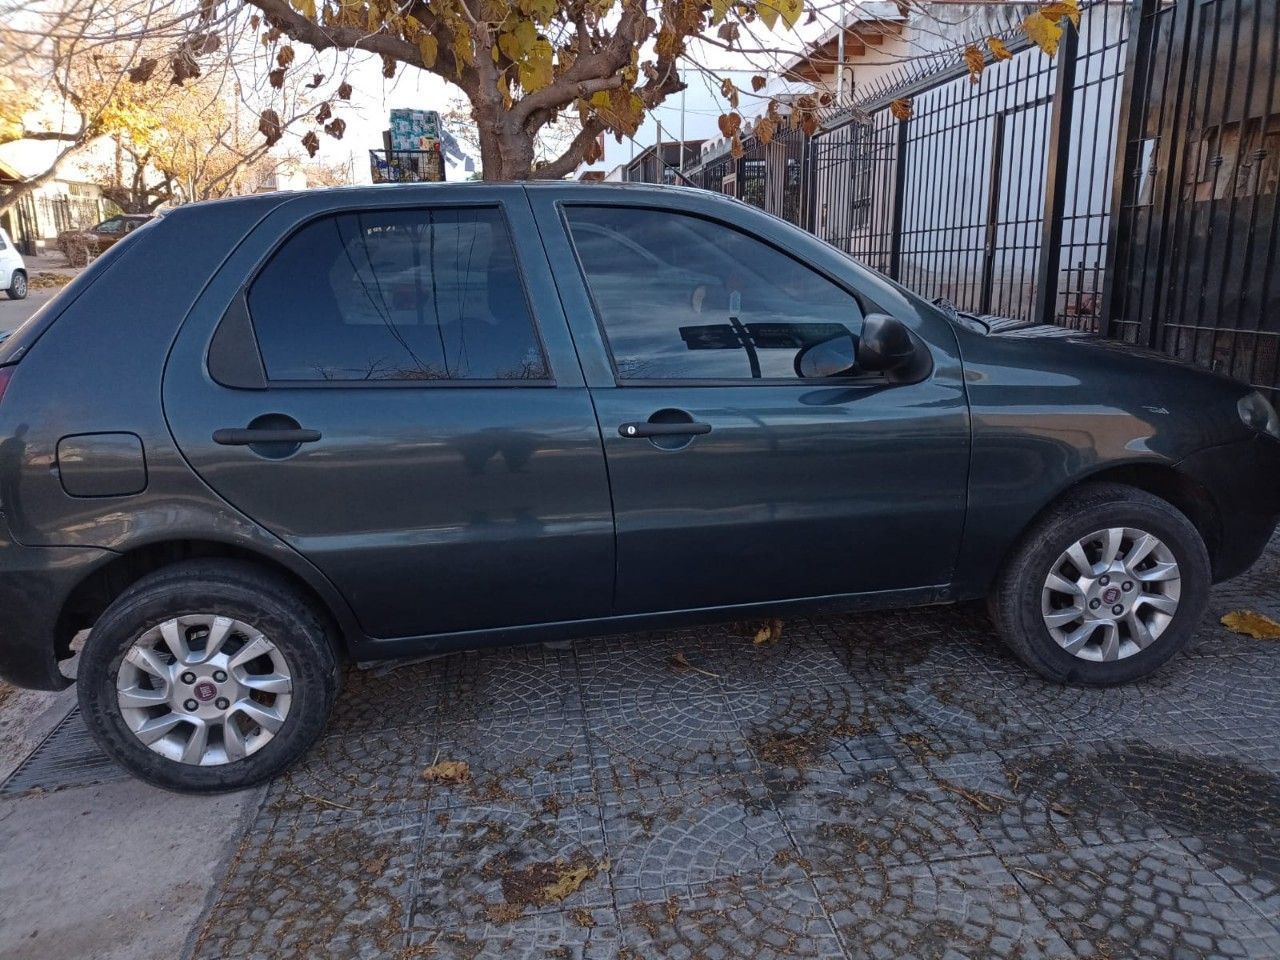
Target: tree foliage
[[524, 65]]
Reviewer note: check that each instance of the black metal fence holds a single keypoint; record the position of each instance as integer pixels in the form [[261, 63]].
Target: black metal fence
[[1126, 186], [1194, 249]]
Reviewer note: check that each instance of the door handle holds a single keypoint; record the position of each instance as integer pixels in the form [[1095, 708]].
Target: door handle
[[690, 428], [248, 437]]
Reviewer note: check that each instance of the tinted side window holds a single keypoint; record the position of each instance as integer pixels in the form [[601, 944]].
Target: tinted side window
[[397, 295], [682, 298], [113, 226]]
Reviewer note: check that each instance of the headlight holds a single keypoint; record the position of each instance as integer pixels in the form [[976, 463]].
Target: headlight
[[1257, 412]]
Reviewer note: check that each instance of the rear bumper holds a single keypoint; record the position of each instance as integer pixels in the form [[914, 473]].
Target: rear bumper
[[34, 585], [1244, 481]]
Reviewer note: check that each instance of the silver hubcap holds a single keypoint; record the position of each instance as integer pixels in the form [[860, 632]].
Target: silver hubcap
[[1111, 594], [19, 284], [204, 689]]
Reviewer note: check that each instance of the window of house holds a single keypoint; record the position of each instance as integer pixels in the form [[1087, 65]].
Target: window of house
[[425, 294], [683, 298]]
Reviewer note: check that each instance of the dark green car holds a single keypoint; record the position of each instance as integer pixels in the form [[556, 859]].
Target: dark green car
[[382, 422]]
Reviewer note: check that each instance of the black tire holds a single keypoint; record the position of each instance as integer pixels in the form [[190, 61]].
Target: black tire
[[17, 285], [241, 591], [1015, 603]]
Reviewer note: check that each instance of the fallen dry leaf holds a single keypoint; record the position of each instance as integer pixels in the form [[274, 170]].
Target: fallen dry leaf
[[768, 632], [376, 865], [1252, 624], [544, 883], [447, 771]]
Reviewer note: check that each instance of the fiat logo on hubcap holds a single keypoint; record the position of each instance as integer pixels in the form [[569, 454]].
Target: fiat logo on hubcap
[[205, 691], [1111, 595]]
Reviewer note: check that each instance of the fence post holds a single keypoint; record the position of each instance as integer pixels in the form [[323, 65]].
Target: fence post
[[899, 200], [1055, 190], [1141, 41]]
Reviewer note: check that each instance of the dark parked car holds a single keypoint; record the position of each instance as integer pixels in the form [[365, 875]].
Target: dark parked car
[[79, 246], [372, 423]]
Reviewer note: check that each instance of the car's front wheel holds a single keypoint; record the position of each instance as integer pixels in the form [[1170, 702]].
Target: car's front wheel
[[17, 286], [206, 676], [1104, 588]]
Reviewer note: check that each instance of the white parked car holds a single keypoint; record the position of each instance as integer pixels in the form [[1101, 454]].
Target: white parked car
[[13, 272]]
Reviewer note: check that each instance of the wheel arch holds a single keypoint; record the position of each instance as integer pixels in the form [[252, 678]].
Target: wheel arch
[[1191, 498], [98, 590]]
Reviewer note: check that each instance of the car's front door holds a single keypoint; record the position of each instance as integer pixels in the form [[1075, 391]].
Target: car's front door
[[760, 485], [441, 462]]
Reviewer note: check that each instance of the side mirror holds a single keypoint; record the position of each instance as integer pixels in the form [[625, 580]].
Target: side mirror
[[828, 358], [886, 345]]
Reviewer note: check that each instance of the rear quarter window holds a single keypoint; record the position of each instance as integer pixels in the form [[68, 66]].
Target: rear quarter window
[[397, 295]]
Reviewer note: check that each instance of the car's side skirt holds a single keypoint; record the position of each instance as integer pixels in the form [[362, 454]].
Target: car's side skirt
[[367, 649]]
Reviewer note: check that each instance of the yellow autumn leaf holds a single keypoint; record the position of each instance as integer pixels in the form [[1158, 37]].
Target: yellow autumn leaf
[[900, 108], [1252, 624], [975, 61], [718, 10], [429, 48], [305, 7], [1043, 32], [768, 12], [998, 49], [536, 71], [768, 632], [790, 11], [1057, 9], [729, 124]]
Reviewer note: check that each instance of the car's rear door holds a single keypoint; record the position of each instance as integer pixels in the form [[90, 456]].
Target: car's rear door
[[778, 488], [440, 460]]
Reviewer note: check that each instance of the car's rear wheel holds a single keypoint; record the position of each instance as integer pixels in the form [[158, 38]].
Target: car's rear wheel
[[18, 285], [1104, 589], [209, 675]]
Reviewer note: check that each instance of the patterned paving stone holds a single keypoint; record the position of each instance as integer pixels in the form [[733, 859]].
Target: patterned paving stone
[[879, 785], [392, 695], [783, 922], [354, 775], [498, 860], [510, 680], [801, 659], [886, 816], [680, 663], [971, 908], [671, 840], [833, 729], [1143, 900], [881, 649], [1041, 799], [1230, 808], [536, 755], [299, 888], [650, 735], [584, 933]]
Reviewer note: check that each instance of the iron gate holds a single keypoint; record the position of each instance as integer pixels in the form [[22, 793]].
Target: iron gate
[[953, 201], [1194, 251]]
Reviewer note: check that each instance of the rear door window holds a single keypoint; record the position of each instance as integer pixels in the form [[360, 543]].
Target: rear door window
[[397, 295]]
